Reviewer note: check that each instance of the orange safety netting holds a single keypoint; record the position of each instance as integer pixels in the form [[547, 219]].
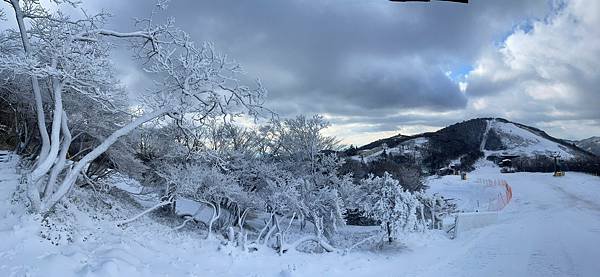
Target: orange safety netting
[[503, 198]]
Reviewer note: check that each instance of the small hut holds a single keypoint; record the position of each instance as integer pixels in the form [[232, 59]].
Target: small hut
[[506, 163]]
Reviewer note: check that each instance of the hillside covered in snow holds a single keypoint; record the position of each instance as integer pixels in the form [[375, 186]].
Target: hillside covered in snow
[[590, 144], [462, 144]]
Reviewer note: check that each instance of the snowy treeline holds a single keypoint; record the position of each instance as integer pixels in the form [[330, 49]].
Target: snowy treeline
[[281, 171], [72, 120]]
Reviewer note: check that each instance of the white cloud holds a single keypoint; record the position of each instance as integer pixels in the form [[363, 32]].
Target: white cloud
[[546, 76]]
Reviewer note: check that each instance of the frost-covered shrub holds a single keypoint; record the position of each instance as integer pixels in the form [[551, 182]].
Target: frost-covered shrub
[[383, 199], [433, 209]]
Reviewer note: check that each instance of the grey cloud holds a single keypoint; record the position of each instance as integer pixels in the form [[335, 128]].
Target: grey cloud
[[312, 39], [302, 50], [549, 75]]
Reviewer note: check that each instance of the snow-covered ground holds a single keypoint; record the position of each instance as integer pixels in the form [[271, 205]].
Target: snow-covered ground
[[550, 228]]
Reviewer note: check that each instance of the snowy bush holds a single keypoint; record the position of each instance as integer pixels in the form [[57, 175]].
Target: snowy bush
[[434, 208], [383, 199]]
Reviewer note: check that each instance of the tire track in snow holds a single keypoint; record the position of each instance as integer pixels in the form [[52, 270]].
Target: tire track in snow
[[578, 201]]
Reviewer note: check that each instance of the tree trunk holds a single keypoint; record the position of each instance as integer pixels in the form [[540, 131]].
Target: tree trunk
[[39, 105], [71, 177], [267, 226], [215, 216], [432, 209], [272, 229], [62, 157], [44, 165], [389, 232], [422, 214]]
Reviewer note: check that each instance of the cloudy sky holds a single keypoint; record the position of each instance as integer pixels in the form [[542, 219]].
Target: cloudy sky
[[376, 68]]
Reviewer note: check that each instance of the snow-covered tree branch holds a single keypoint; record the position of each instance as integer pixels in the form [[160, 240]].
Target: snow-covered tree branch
[[72, 59]]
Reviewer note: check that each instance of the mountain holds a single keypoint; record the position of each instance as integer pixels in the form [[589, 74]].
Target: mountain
[[462, 144], [590, 144]]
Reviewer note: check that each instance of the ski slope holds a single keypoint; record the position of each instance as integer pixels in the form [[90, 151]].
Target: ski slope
[[550, 228], [520, 141]]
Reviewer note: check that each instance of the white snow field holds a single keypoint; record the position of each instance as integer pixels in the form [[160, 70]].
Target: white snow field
[[523, 142], [551, 228]]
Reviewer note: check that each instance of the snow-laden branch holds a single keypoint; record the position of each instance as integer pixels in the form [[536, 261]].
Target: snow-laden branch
[[89, 35], [215, 216], [158, 205], [319, 240]]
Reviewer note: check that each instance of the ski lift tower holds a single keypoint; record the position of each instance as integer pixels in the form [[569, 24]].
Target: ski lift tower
[[557, 171]]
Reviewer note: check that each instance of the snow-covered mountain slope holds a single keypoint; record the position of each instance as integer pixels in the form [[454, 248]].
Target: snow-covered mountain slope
[[407, 146], [518, 139], [590, 144], [492, 136]]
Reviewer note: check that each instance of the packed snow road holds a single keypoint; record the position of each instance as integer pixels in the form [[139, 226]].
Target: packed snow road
[[551, 228]]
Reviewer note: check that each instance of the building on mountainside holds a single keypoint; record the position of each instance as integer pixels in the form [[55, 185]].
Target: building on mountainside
[[452, 169], [369, 152], [506, 163]]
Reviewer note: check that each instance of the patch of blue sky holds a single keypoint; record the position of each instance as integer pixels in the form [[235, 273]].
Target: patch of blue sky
[[457, 73], [527, 25]]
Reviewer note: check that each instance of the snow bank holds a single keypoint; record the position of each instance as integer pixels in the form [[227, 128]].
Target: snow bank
[[478, 200], [472, 195], [469, 221]]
